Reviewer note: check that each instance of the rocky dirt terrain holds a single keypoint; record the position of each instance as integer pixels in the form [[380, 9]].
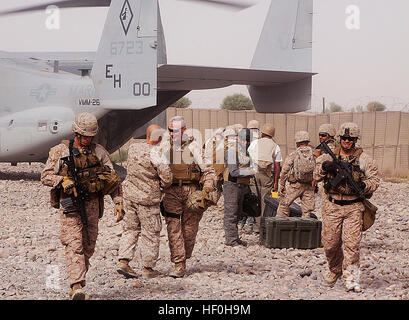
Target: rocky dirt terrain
[[32, 263]]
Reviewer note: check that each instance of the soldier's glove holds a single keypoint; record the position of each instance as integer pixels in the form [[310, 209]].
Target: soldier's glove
[[119, 211], [329, 166], [68, 186]]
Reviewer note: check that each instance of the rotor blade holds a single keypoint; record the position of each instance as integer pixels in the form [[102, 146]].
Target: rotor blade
[[228, 3], [61, 4]]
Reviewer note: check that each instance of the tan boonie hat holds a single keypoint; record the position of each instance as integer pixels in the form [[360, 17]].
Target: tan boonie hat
[[268, 129], [301, 136], [85, 124]]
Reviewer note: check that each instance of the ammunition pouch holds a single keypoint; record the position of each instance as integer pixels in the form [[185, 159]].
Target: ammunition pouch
[[165, 214], [55, 194], [110, 181], [368, 216], [183, 173]]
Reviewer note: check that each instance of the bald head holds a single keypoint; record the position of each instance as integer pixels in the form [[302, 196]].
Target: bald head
[[154, 134]]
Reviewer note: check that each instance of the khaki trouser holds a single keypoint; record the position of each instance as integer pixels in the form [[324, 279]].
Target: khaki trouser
[[144, 221], [73, 237], [341, 237], [304, 191], [181, 231]]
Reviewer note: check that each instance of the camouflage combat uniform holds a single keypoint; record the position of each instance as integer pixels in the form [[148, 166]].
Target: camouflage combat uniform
[[342, 224], [294, 189], [73, 237], [182, 223], [147, 174]]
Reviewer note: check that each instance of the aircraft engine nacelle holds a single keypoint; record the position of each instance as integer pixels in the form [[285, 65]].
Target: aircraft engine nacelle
[[27, 135]]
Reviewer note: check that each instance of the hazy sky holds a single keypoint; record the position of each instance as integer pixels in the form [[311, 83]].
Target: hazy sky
[[353, 66]]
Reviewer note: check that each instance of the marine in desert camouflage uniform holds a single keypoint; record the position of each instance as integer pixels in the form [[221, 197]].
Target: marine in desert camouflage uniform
[[147, 175], [185, 156], [326, 132], [342, 211], [91, 161], [295, 188]]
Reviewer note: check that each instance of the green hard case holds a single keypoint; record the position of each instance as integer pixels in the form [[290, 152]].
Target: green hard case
[[290, 232]]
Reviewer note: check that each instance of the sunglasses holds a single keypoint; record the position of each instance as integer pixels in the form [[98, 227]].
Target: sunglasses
[[323, 135], [174, 130], [348, 139]]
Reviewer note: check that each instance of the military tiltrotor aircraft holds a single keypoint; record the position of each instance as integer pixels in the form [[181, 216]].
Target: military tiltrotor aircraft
[[128, 81]]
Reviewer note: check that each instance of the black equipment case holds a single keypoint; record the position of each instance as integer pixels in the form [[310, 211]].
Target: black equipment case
[[270, 209]]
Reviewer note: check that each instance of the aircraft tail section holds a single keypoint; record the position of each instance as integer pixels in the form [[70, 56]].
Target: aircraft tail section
[[125, 67], [285, 44]]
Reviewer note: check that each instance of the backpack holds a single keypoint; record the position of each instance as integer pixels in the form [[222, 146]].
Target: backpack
[[304, 164]]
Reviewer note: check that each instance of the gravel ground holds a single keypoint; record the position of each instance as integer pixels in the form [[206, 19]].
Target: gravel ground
[[32, 263]]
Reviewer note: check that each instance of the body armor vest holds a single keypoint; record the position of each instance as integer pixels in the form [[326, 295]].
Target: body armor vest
[[218, 167], [357, 174], [89, 168], [183, 173], [242, 164]]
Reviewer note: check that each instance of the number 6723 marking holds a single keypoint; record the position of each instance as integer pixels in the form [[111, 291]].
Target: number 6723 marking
[[126, 47]]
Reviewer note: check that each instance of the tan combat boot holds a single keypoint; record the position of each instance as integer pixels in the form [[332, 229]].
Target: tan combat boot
[[331, 278], [351, 285], [179, 270], [125, 269], [148, 272], [76, 292]]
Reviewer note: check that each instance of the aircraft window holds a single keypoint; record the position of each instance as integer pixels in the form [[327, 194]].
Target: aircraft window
[[42, 126], [54, 126]]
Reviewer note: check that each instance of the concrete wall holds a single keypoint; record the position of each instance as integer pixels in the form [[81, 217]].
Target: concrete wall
[[384, 135]]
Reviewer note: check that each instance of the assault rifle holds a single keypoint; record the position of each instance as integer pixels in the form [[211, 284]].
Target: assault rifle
[[82, 195], [344, 173]]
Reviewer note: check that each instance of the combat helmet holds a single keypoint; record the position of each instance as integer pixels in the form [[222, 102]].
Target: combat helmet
[[229, 131], [349, 129], [85, 124], [253, 124], [328, 128], [301, 136]]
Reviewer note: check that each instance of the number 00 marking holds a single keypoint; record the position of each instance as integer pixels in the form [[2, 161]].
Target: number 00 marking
[[141, 89]]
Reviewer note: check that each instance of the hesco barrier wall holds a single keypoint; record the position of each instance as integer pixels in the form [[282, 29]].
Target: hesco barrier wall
[[384, 135]]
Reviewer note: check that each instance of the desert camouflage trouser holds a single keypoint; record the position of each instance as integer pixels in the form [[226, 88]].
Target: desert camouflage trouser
[[304, 191], [144, 221], [181, 231], [233, 194], [341, 237], [73, 237]]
